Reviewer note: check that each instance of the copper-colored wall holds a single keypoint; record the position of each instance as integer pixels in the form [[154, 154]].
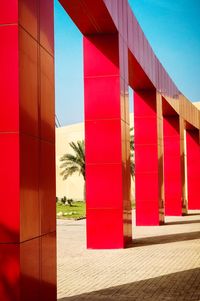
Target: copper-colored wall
[[27, 143]]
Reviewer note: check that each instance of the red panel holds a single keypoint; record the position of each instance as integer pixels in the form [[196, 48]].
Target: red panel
[[9, 11], [172, 126], [106, 139], [47, 25], [106, 133], [140, 134], [30, 270], [106, 232], [172, 166], [29, 199], [104, 186], [102, 97], [101, 57], [23, 264], [144, 105], [28, 16], [9, 272], [146, 213], [147, 204], [20, 271], [172, 145], [9, 179], [48, 267], [47, 105], [47, 193], [193, 169], [91, 17], [28, 84], [9, 92], [149, 191], [146, 159]]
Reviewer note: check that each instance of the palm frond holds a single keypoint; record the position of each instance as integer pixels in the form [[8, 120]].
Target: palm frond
[[72, 163]]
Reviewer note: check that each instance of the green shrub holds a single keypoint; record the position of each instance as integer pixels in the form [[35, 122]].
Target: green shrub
[[70, 201], [63, 200]]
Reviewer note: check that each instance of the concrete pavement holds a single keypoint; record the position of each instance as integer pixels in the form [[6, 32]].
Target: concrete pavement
[[162, 264]]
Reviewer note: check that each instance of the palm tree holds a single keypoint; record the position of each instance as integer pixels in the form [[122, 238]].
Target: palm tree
[[74, 163]]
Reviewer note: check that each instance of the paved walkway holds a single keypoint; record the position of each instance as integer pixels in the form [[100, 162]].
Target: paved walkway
[[163, 264]]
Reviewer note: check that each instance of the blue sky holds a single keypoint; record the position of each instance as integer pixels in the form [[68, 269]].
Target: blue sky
[[173, 30]]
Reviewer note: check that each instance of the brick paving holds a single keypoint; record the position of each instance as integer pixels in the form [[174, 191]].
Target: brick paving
[[162, 264]]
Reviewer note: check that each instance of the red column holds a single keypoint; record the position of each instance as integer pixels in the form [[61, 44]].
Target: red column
[[107, 143], [27, 152], [172, 166], [193, 168], [148, 159]]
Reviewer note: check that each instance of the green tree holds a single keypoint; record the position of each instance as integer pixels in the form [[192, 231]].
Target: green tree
[[74, 163]]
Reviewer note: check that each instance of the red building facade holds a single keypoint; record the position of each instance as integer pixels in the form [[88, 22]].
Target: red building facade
[[116, 55]]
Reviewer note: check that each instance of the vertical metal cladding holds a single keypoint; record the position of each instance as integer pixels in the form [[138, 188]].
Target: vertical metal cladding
[[27, 130], [107, 194]]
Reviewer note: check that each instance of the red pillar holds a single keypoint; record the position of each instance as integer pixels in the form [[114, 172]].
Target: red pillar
[[27, 152], [148, 159], [107, 142], [193, 168], [172, 166]]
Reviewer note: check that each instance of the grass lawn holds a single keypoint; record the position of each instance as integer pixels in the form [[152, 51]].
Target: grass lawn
[[77, 210]]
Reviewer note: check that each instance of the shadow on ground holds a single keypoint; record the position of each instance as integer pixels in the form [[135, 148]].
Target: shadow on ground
[[191, 214], [164, 239], [183, 222], [183, 285]]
